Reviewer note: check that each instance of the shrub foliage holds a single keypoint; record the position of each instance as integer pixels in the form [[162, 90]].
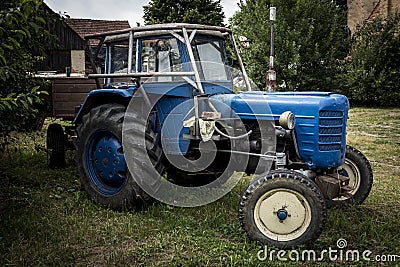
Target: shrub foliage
[[372, 73], [22, 43]]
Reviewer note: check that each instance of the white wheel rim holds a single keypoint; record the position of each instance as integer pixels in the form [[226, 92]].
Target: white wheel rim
[[354, 175], [293, 203]]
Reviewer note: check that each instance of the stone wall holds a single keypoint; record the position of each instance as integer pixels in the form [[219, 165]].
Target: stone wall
[[361, 10]]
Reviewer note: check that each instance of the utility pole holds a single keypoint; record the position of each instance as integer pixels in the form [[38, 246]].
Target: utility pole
[[271, 74]]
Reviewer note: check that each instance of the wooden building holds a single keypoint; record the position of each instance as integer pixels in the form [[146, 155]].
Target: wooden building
[[67, 93], [58, 57], [70, 45]]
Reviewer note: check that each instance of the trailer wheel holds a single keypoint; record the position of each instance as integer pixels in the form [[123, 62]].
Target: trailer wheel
[[101, 162], [282, 208], [55, 146], [357, 167]]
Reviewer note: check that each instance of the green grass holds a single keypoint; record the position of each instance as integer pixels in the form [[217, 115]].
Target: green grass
[[46, 219]]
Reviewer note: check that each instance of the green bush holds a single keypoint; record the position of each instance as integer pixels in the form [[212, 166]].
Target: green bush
[[372, 73], [23, 40]]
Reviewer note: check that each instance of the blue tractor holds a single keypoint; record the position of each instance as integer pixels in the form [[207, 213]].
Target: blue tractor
[[172, 116]]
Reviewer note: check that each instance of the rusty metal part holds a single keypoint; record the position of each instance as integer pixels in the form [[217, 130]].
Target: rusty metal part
[[207, 115], [333, 186]]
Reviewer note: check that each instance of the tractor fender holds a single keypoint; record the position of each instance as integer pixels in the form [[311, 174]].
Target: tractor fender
[[103, 96]]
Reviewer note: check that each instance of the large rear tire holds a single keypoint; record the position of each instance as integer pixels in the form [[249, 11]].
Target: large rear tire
[[101, 161], [282, 208]]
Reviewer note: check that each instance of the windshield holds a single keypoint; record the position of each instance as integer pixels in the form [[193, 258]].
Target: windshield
[[210, 59], [164, 55]]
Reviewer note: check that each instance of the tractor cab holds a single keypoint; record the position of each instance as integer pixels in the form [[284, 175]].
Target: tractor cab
[[167, 58]]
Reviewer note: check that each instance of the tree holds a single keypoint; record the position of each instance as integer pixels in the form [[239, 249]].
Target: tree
[[186, 11], [311, 40], [22, 36], [372, 72]]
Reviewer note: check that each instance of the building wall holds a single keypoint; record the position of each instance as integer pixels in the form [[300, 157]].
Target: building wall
[[59, 56], [78, 61], [362, 10]]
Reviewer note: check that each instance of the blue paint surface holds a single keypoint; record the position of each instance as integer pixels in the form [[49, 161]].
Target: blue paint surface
[[105, 162]]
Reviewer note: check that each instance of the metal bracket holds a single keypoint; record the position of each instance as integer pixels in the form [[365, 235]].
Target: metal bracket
[[177, 36], [332, 187], [192, 35]]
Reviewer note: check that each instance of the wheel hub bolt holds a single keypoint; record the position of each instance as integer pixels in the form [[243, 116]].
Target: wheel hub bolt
[[282, 214]]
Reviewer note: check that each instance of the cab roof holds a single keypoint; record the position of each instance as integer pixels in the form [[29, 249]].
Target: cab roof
[[160, 29]]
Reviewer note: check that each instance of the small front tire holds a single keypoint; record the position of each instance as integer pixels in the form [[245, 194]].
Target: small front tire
[[358, 169], [282, 208]]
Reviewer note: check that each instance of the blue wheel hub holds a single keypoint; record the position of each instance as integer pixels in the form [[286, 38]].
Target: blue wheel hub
[[344, 173], [105, 162], [282, 214]]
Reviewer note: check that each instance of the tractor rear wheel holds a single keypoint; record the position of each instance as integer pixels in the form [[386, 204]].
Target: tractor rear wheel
[[282, 208], [101, 161]]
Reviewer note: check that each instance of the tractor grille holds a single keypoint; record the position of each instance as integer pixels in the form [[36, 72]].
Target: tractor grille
[[330, 130]]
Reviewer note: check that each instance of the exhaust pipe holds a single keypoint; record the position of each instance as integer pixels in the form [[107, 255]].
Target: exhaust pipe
[[271, 74]]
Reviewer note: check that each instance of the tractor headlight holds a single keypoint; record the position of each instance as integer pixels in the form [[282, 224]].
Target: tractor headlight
[[287, 120]]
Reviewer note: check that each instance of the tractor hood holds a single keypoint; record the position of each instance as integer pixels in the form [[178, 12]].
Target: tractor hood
[[259, 104], [320, 120]]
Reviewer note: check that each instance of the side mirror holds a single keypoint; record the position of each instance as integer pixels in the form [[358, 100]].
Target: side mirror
[[244, 41]]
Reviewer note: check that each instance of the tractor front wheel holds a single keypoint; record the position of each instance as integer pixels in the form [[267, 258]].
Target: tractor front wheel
[[282, 208], [358, 169]]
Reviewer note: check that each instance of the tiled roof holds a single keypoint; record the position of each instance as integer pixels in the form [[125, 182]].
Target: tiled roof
[[90, 26]]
